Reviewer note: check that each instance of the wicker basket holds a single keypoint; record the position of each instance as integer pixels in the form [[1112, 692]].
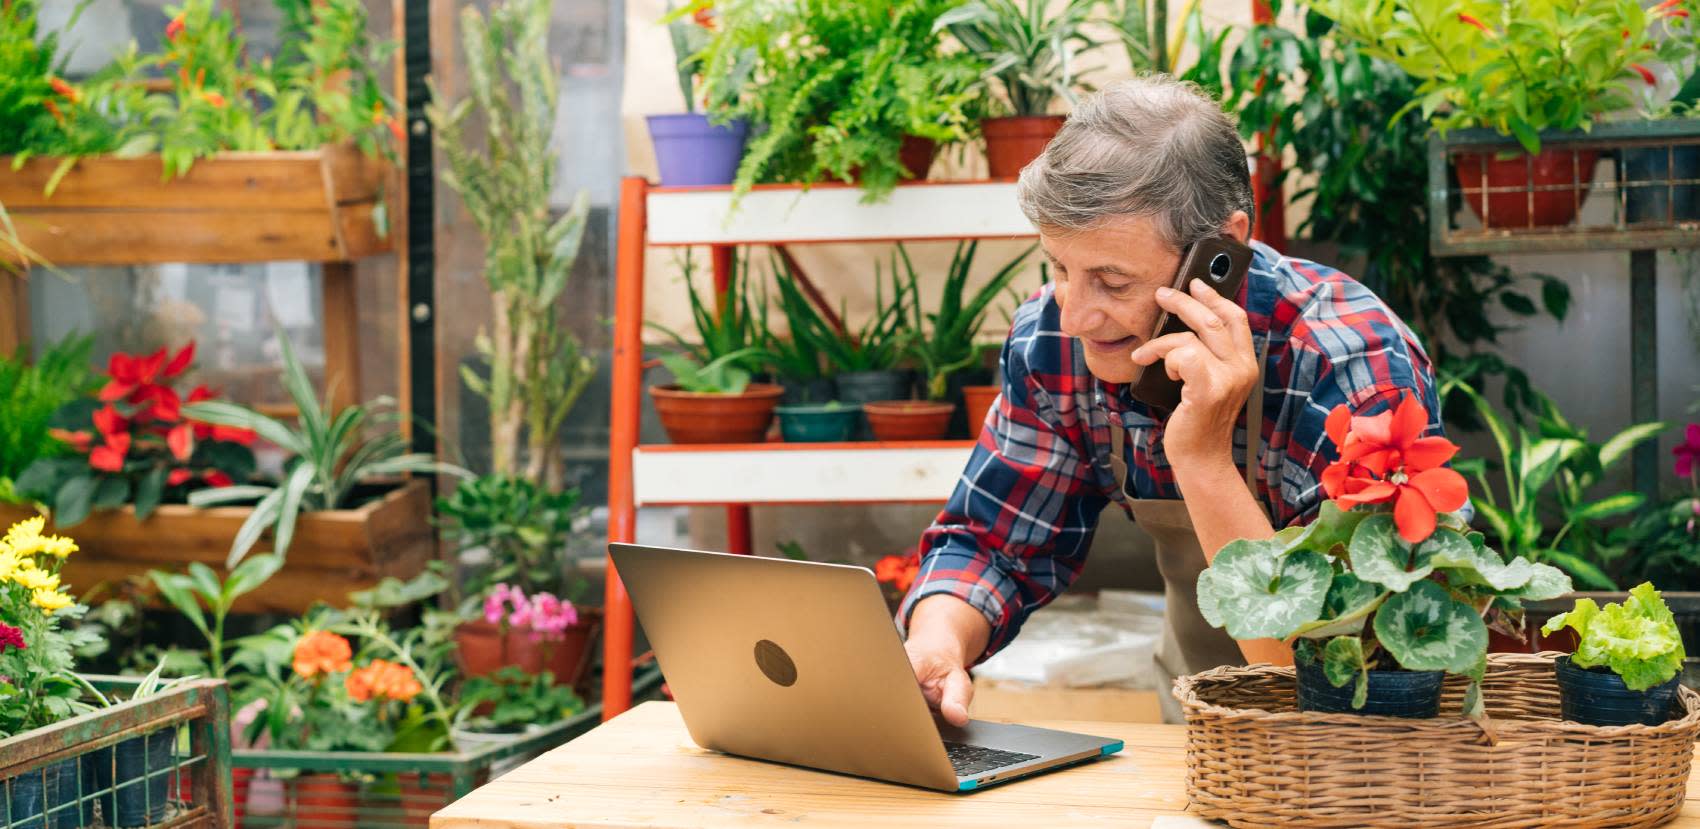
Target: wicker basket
[[1254, 760]]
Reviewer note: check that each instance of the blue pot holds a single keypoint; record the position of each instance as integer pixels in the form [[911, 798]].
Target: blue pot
[[138, 779], [690, 151]]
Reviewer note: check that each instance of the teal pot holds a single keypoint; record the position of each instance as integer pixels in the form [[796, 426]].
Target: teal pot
[[819, 423], [818, 390], [871, 387], [1409, 694]]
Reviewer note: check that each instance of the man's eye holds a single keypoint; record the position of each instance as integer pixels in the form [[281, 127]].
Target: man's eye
[[1124, 289]]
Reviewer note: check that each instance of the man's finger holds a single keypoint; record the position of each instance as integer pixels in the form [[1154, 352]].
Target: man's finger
[[958, 693], [1211, 329], [1226, 308], [1187, 364], [1150, 352]]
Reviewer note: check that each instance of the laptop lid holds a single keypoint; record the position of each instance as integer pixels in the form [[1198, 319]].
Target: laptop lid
[[796, 662]]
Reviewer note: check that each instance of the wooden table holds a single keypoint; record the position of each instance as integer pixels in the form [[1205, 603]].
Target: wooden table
[[641, 769]]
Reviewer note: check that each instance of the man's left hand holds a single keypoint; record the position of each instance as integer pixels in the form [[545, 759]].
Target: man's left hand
[[1217, 366]]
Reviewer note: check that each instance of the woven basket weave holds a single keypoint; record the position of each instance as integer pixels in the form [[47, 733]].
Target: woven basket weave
[[1254, 760]]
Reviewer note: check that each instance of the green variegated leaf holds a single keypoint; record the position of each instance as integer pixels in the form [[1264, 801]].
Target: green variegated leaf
[[1349, 602], [1469, 562], [1332, 526], [1545, 582], [1425, 629], [1343, 662], [1379, 555], [1254, 592]]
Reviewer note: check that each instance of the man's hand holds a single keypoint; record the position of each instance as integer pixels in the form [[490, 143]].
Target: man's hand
[[945, 634], [1217, 366]]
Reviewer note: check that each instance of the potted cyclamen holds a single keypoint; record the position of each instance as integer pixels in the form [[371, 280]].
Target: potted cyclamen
[[1628, 655], [1386, 590], [1030, 52], [690, 150]]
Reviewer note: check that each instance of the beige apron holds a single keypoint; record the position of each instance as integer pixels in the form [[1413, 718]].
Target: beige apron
[[1189, 643]]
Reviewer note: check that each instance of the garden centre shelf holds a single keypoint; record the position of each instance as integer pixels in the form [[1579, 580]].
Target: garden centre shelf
[[737, 476]]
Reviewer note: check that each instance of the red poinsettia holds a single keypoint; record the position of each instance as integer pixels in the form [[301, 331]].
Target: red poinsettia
[[1385, 457]]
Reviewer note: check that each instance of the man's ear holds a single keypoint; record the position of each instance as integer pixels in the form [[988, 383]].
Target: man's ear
[[1238, 227]]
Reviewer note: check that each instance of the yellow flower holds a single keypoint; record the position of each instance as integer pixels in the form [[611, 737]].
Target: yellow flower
[[34, 578], [8, 563], [21, 533], [50, 600], [58, 546], [26, 539]]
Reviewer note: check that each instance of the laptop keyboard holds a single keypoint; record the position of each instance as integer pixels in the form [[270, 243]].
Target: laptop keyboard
[[971, 760]]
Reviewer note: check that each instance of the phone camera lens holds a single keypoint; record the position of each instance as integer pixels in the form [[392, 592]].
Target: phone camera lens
[[1219, 266]]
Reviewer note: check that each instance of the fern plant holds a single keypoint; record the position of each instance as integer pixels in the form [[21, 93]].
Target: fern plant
[[30, 393]]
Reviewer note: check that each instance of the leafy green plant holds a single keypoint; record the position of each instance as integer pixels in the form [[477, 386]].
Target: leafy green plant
[[1516, 66], [520, 528], [1636, 639], [691, 29], [516, 700], [37, 685], [30, 394], [1029, 52], [1553, 470], [943, 340], [719, 376], [795, 356], [206, 601], [879, 344], [838, 86], [538, 368], [1143, 25], [330, 456], [725, 323]]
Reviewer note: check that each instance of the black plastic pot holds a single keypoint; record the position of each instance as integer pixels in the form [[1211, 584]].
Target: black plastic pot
[[44, 798], [139, 776], [797, 392], [1656, 201], [1597, 696], [872, 387], [1410, 694]]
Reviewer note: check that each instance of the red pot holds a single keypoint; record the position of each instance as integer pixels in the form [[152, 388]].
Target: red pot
[[696, 417], [977, 405], [485, 648], [895, 420], [1523, 191], [916, 155], [1014, 142]]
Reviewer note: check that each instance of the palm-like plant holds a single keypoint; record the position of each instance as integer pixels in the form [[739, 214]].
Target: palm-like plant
[[1028, 51], [943, 340], [331, 455]]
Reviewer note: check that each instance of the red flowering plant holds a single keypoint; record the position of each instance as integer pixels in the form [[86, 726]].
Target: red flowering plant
[[1389, 575], [133, 445], [896, 574]]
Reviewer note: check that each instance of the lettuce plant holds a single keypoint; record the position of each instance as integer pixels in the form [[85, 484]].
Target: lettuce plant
[[1637, 639]]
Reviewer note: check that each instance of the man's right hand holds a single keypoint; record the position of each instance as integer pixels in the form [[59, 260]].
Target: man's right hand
[[944, 632]]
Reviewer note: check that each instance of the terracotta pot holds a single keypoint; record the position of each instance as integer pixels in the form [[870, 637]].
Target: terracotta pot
[[893, 420], [695, 417], [484, 648], [1553, 183], [977, 402], [422, 798], [1014, 142], [916, 156], [325, 800]]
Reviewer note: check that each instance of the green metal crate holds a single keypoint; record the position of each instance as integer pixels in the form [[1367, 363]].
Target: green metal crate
[[162, 761], [345, 789]]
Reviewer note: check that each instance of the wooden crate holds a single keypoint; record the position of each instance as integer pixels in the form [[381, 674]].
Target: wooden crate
[[314, 205], [333, 553]]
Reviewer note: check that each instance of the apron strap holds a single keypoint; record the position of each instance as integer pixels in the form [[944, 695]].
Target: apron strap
[[1253, 434]]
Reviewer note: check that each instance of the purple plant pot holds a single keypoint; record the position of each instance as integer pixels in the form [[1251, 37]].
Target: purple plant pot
[[692, 152]]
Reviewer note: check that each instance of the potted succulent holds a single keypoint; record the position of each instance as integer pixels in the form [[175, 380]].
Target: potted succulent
[[1628, 655], [690, 150], [867, 358], [796, 358], [1503, 65], [1385, 591], [1029, 52], [712, 398], [848, 91]]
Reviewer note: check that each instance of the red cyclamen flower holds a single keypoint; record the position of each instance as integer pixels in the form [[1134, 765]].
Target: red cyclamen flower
[[1386, 458]]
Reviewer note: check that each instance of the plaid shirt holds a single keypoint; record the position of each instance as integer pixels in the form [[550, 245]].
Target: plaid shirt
[[1016, 531]]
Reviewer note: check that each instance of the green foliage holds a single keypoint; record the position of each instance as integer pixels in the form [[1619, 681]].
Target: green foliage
[[1142, 26], [1665, 542], [723, 375], [522, 528], [1554, 470], [206, 601], [1518, 67], [516, 700], [838, 86], [331, 454], [879, 344], [943, 340], [538, 368], [1637, 639], [798, 355], [725, 323], [30, 394], [1029, 52]]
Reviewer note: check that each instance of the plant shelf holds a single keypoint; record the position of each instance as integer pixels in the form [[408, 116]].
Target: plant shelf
[[790, 214], [798, 473]]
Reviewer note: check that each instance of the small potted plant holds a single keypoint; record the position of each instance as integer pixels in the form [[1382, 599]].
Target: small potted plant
[[796, 357], [132, 774], [505, 706], [1386, 589], [690, 150], [1029, 48], [1627, 659], [1486, 63], [712, 398], [867, 359]]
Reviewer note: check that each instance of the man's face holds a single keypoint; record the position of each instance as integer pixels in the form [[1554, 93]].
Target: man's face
[[1106, 285]]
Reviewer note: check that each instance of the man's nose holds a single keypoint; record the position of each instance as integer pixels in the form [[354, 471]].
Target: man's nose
[[1082, 309]]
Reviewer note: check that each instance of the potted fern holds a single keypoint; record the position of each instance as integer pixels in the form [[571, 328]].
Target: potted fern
[[1628, 655], [1029, 53]]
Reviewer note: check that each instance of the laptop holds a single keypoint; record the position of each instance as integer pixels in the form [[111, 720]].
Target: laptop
[[798, 662]]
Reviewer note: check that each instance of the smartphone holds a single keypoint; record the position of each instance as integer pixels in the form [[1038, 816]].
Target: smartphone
[[1219, 262]]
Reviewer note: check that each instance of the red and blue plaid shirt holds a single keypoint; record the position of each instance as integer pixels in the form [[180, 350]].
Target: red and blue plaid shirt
[[1016, 531]]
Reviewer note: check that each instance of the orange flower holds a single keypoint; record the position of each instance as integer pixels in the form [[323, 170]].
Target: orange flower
[[898, 571], [69, 92], [1386, 458], [174, 28], [215, 99], [1472, 20], [382, 680], [321, 652]]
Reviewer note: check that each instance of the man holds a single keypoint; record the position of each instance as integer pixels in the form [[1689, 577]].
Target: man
[[1138, 173]]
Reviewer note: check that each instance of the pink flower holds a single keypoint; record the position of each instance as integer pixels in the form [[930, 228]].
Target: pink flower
[[1688, 452], [495, 604], [11, 637]]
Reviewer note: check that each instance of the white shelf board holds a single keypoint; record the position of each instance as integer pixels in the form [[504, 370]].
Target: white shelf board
[[833, 213], [798, 473]]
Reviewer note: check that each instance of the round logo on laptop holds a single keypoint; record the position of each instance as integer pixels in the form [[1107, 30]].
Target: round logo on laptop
[[776, 664]]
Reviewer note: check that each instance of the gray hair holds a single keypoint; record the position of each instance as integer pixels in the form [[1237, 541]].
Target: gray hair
[[1150, 146]]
